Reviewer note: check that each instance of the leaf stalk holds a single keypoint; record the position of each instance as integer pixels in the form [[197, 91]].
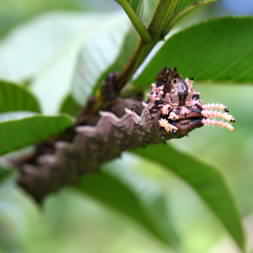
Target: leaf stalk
[[136, 21]]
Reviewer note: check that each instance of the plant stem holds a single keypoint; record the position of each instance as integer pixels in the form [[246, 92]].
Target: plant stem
[[170, 14], [164, 11], [136, 21], [141, 53]]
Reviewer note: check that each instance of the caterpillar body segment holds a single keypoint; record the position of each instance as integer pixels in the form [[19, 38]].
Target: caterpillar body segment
[[169, 128]]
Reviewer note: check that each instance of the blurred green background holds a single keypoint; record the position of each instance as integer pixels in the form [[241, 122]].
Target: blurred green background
[[72, 223]]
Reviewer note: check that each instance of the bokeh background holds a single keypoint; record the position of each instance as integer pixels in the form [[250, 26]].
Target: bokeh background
[[72, 223]]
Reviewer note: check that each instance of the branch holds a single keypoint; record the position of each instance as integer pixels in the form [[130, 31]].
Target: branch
[[172, 110]]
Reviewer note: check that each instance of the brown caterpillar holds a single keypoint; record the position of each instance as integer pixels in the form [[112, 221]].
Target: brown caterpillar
[[172, 110]]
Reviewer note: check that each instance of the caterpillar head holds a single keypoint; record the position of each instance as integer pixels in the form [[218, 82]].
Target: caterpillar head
[[180, 107]]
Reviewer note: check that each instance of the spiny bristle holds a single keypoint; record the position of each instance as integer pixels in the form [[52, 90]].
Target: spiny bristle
[[173, 116], [213, 122], [133, 114], [167, 126], [216, 114], [165, 109], [219, 107]]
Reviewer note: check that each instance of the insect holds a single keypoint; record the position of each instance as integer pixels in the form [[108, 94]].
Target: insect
[[178, 103]]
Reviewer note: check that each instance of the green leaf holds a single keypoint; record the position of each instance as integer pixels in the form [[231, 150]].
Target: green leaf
[[67, 55], [186, 3], [105, 49], [70, 106], [32, 47], [61, 68], [13, 12], [17, 132], [4, 173], [45, 50], [205, 180], [133, 196], [129, 44], [16, 98], [22, 224], [217, 50]]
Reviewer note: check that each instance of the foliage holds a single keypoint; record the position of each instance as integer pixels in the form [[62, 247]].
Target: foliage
[[67, 64]]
